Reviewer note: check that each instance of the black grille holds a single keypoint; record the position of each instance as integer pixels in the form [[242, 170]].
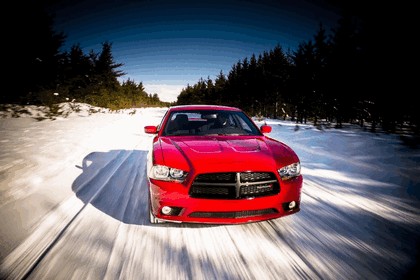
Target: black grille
[[216, 177], [213, 191], [256, 176], [233, 215], [234, 185], [256, 189]]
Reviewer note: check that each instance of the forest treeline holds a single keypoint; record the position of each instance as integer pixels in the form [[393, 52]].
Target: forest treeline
[[40, 73], [352, 73], [349, 74]]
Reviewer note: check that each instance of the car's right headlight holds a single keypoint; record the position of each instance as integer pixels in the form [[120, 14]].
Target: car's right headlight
[[165, 173], [290, 171]]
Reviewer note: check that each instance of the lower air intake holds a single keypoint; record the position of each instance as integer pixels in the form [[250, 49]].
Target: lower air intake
[[233, 215]]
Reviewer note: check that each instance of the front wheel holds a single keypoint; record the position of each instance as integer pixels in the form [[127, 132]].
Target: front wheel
[[152, 218]]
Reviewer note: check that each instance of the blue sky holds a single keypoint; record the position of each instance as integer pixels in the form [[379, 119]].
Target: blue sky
[[167, 45]]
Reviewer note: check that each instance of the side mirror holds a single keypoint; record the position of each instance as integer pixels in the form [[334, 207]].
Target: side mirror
[[265, 128], [150, 129]]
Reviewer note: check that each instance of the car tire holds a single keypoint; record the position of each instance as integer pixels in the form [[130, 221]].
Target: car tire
[[152, 218]]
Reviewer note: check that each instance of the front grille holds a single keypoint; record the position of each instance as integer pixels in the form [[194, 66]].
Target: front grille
[[256, 189], [256, 176], [216, 178], [233, 215], [234, 185]]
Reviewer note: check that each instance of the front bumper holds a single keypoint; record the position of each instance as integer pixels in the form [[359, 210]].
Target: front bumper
[[222, 211]]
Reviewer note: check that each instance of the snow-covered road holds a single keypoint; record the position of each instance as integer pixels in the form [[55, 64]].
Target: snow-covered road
[[73, 205]]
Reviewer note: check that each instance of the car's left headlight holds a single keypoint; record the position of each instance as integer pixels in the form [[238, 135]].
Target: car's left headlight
[[290, 171], [165, 173]]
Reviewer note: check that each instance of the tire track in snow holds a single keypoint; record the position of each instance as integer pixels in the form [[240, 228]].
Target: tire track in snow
[[24, 259]]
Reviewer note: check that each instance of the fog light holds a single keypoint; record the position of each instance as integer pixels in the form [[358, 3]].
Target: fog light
[[292, 204], [166, 210]]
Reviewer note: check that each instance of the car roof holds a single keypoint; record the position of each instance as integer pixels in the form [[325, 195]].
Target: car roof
[[203, 107]]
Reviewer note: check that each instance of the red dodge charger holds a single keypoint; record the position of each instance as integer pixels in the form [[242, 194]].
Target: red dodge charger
[[214, 165]]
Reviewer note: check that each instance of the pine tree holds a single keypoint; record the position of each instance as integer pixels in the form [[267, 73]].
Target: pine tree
[[343, 71], [79, 73], [322, 49], [219, 88], [106, 68], [32, 51]]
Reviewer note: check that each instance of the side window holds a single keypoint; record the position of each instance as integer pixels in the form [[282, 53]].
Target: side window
[[230, 120], [244, 125]]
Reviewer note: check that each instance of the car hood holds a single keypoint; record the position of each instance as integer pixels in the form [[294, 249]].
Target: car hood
[[223, 153]]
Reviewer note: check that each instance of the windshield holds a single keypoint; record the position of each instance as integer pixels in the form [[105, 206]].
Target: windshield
[[209, 122]]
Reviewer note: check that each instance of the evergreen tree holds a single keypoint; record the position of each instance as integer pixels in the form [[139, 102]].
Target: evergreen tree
[[106, 68], [219, 88], [343, 71], [32, 51], [135, 93], [279, 76], [209, 97], [251, 83], [322, 49], [185, 96], [79, 74], [232, 96], [304, 95]]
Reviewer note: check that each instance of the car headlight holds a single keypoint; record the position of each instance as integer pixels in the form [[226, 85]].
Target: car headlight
[[165, 173], [290, 171]]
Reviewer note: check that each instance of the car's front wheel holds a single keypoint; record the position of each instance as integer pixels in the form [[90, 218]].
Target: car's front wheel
[[152, 218]]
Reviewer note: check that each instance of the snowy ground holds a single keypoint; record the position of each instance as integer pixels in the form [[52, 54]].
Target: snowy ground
[[73, 205]]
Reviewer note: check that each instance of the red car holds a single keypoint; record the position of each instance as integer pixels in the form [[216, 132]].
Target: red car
[[212, 164]]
